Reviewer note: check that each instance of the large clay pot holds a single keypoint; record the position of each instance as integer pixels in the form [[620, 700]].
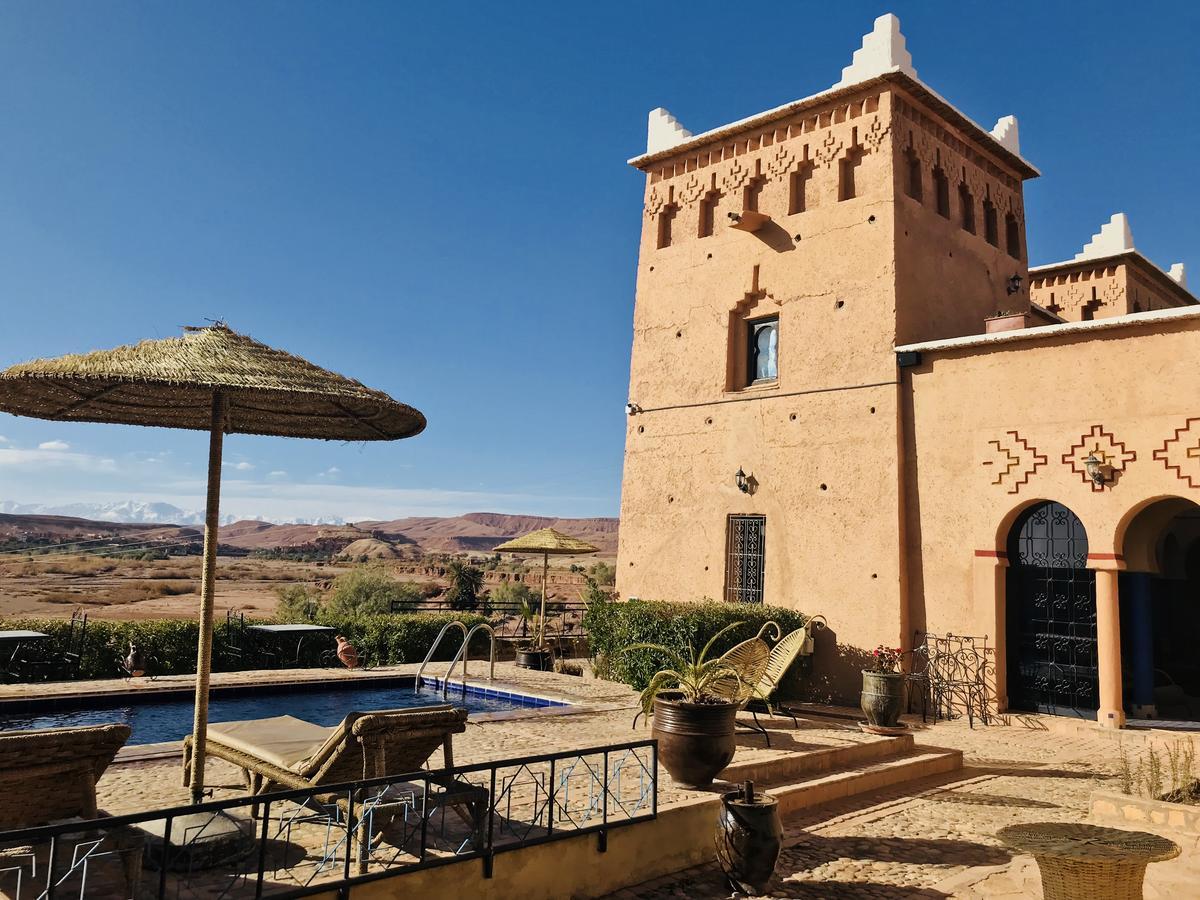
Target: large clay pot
[[538, 660], [883, 698], [749, 840], [695, 740]]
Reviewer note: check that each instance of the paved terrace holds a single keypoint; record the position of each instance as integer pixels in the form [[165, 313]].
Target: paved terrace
[[935, 838], [601, 713]]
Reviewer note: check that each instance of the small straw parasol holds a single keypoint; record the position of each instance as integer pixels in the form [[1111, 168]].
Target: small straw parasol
[[216, 380], [546, 541]]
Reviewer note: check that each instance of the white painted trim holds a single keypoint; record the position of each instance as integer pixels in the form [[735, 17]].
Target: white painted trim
[[1043, 332], [904, 68]]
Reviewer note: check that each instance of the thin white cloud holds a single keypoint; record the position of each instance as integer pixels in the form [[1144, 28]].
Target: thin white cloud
[[278, 473], [242, 466], [54, 445], [331, 472], [4, 440], [42, 459]]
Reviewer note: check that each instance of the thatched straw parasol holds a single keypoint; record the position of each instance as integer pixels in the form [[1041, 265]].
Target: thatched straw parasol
[[546, 541], [210, 379]]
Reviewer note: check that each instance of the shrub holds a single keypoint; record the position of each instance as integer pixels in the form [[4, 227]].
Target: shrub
[[613, 626], [171, 643], [297, 603], [367, 591]]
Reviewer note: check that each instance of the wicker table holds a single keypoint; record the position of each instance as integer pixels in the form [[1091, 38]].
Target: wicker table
[[1088, 862]]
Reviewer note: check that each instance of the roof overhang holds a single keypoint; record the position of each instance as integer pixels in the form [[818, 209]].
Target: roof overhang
[[909, 84]]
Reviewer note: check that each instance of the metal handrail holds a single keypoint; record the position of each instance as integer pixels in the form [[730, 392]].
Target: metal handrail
[[464, 652], [434, 646]]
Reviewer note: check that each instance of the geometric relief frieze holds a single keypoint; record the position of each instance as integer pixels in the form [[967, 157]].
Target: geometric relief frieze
[[1180, 453], [1110, 452], [1011, 461]]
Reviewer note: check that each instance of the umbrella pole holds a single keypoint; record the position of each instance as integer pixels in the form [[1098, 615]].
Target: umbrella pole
[[207, 592], [542, 618]]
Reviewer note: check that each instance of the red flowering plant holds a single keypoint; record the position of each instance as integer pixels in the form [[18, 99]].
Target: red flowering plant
[[886, 660]]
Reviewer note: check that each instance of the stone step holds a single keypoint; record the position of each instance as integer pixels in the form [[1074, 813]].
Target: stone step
[[922, 762], [793, 766]]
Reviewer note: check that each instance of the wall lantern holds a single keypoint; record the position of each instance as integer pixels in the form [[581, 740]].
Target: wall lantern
[[1098, 470], [632, 409], [1014, 283], [742, 482]]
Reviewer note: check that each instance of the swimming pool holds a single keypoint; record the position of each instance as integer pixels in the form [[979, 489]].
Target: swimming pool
[[156, 716]]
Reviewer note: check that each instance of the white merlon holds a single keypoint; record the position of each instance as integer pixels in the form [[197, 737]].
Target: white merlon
[[1178, 274], [664, 131], [882, 51], [1006, 134], [1114, 237]]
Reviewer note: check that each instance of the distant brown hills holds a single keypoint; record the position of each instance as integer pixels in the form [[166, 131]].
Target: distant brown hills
[[470, 533]]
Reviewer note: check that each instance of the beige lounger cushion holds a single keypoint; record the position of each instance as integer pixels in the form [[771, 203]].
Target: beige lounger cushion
[[284, 741]]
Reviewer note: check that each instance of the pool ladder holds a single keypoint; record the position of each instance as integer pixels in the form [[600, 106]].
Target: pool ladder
[[462, 654]]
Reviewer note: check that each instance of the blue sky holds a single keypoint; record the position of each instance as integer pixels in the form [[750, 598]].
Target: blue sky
[[433, 198]]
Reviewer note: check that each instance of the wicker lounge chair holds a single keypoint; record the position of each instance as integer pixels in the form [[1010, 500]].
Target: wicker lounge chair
[[286, 752], [746, 657], [49, 776]]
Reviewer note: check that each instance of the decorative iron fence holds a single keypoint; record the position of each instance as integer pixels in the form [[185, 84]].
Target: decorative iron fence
[[304, 842], [953, 674]]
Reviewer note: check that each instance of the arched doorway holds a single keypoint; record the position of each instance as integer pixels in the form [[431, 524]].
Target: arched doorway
[[1051, 614], [1160, 611]]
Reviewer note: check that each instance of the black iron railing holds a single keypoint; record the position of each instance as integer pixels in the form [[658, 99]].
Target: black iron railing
[[303, 842], [564, 619]]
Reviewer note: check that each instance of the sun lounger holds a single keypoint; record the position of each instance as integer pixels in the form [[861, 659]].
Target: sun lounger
[[48, 777], [286, 752]]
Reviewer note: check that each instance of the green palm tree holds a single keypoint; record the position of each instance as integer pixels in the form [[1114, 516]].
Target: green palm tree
[[465, 584]]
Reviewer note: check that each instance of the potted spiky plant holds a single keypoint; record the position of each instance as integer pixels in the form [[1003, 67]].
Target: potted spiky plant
[[694, 719]]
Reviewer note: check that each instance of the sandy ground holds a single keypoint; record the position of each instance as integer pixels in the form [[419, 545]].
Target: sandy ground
[[138, 589]]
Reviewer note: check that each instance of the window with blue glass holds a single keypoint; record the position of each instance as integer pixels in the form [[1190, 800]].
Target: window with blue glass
[[763, 352]]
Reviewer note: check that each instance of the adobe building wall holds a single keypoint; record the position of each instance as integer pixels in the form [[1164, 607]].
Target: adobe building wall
[[950, 278], [1008, 422], [828, 272], [1103, 288]]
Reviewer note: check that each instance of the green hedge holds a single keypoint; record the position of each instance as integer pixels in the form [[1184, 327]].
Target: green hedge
[[612, 627], [381, 639]]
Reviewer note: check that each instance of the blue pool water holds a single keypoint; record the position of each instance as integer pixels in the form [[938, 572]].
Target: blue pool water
[[169, 718]]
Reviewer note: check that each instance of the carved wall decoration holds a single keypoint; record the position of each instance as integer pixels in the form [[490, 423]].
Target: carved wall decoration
[[656, 200], [828, 150], [1106, 448], [692, 189], [1012, 461], [1072, 299], [735, 176], [780, 162], [1113, 293], [874, 133], [1180, 453]]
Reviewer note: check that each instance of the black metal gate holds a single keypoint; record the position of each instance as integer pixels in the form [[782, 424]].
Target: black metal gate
[[745, 558], [1051, 605]]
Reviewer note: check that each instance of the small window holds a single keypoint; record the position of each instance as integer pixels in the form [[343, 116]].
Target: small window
[[967, 204], [1012, 236], [708, 213], [745, 558], [763, 350], [666, 220], [914, 176], [990, 229], [847, 188], [941, 185], [798, 190]]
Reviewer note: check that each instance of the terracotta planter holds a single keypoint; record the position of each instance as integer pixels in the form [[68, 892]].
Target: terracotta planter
[[538, 660], [695, 740], [883, 698], [749, 840]]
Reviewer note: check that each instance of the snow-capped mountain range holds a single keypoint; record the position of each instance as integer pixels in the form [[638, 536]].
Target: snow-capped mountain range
[[133, 511]]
